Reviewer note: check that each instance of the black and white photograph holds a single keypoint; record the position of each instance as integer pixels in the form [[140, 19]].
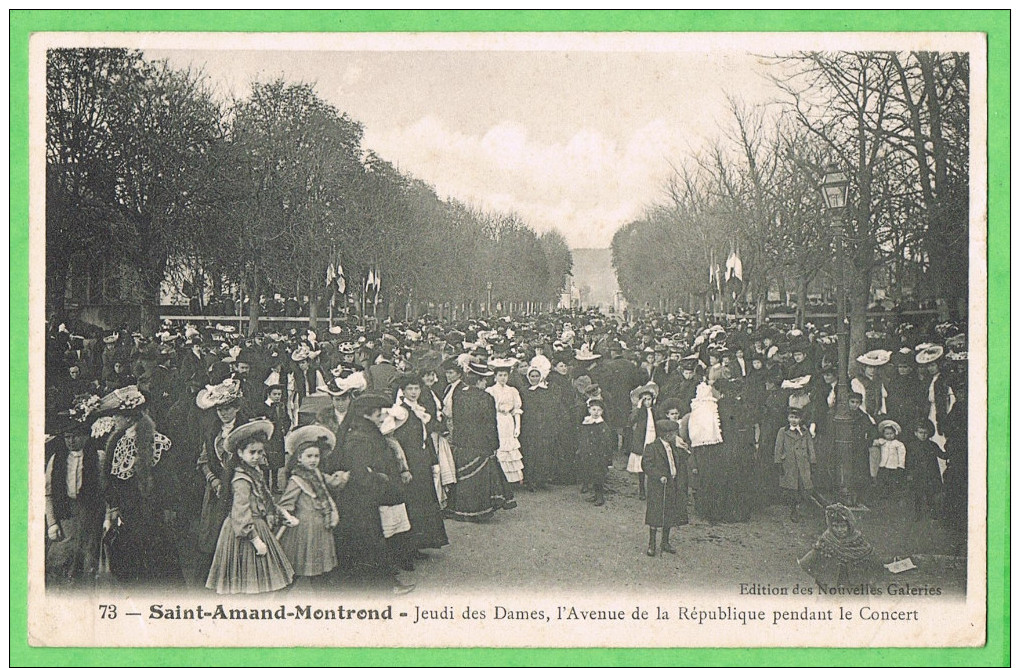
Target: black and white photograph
[[508, 339]]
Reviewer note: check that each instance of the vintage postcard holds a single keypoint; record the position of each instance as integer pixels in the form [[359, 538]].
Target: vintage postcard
[[537, 339]]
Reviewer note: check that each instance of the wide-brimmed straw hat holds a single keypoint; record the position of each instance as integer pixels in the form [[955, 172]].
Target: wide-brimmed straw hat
[[212, 396], [256, 431], [796, 383], [876, 357], [123, 399], [929, 354], [647, 388], [322, 436], [339, 386], [479, 369]]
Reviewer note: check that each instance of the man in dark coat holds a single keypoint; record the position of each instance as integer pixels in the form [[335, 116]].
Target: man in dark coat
[[617, 377]]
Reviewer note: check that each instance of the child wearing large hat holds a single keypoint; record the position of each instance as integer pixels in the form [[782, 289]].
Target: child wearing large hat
[[248, 557], [309, 546]]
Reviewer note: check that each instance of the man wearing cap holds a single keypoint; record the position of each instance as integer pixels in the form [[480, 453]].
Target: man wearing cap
[[683, 385]]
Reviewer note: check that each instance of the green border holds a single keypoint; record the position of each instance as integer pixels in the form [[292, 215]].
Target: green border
[[994, 23]]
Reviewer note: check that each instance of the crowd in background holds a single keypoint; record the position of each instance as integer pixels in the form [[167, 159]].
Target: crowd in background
[[251, 463]]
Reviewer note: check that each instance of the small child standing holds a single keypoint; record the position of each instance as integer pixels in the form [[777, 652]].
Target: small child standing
[[596, 445], [894, 456], [795, 452], [309, 546], [923, 469], [248, 558], [665, 466]]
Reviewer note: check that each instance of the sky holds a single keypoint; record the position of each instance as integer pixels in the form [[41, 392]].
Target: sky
[[580, 141]]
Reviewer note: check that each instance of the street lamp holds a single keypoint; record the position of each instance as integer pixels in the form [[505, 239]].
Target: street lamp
[[835, 186]]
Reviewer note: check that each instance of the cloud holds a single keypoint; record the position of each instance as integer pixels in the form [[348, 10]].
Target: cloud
[[586, 186]]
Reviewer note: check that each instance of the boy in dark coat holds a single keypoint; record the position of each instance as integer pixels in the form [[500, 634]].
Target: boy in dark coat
[[596, 444], [923, 468], [665, 467]]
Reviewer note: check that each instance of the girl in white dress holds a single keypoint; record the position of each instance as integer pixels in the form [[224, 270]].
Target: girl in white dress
[[508, 421]]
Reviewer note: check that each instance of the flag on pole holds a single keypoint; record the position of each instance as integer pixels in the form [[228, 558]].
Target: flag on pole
[[341, 282], [713, 279], [330, 274], [734, 273], [370, 283]]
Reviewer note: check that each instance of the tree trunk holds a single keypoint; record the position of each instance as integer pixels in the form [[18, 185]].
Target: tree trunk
[[254, 307], [859, 293], [801, 301], [313, 311], [151, 278]]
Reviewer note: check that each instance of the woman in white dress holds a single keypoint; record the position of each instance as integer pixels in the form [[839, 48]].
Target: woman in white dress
[[508, 421]]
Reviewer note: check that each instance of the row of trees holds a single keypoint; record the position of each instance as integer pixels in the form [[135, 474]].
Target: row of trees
[[145, 167], [897, 124]]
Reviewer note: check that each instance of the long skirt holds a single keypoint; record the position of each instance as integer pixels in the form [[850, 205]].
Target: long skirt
[[481, 487], [447, 465], [142, 549], [715, 502], [509, 453], [237, 569], [309, 546]]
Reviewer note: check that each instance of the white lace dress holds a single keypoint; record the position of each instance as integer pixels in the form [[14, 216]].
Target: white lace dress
[[508, 404]]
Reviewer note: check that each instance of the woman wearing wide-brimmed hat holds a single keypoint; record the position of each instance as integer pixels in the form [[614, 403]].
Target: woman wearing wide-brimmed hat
[[424, 513], [75, 505], [364, 455], [869, 384], [938, 393], [215, 464], [481, 487], [139, 544]]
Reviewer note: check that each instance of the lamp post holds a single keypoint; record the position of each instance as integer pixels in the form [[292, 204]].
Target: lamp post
[[835, 186]]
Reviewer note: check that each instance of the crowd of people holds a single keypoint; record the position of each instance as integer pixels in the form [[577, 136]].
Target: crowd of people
[[252, 463]]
